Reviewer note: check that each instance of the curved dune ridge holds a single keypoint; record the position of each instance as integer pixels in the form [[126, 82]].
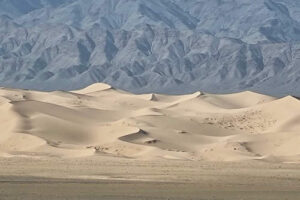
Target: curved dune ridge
[[102, 120]]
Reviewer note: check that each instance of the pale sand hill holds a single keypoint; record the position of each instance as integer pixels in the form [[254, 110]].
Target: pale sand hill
[[100, 119]]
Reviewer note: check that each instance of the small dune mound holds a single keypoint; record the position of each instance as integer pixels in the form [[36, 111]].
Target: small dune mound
[[153, 97], [198, 94], [97, 87], [138, 135], [148, 97], [238, 100], [190, 96]]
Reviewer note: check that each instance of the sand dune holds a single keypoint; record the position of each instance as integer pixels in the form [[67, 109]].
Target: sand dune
[[102, 120]]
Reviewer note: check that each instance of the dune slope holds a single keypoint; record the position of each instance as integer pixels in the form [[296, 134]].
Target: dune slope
[[102, 120]]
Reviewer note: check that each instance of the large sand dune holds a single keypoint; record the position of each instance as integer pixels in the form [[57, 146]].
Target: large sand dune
[[102, 120]]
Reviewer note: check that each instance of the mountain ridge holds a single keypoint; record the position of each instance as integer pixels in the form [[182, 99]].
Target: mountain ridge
[[165, 46]]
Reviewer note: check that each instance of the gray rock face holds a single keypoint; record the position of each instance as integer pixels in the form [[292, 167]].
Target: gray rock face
[[166, 46]]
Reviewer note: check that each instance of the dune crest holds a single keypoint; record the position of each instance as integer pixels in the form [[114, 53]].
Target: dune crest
[[96, 87], [100, 119]]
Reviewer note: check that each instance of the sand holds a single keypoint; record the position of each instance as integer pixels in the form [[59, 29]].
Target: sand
[[213, 145]]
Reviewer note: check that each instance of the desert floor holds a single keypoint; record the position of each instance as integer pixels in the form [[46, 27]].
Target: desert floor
[[105, 177], [102, 143]]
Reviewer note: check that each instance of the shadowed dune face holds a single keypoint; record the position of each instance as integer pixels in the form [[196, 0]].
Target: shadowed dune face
[[100, 119]]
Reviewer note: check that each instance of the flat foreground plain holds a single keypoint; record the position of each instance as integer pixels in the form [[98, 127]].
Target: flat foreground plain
[[103, 177]]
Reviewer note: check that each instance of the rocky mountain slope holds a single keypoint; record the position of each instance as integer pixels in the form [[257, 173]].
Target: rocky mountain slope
[[168, 46]]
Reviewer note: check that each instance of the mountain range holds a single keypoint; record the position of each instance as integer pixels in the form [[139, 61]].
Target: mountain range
[[152, 46]]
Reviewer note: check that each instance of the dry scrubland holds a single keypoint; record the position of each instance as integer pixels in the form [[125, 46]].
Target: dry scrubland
[[102, 142]]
